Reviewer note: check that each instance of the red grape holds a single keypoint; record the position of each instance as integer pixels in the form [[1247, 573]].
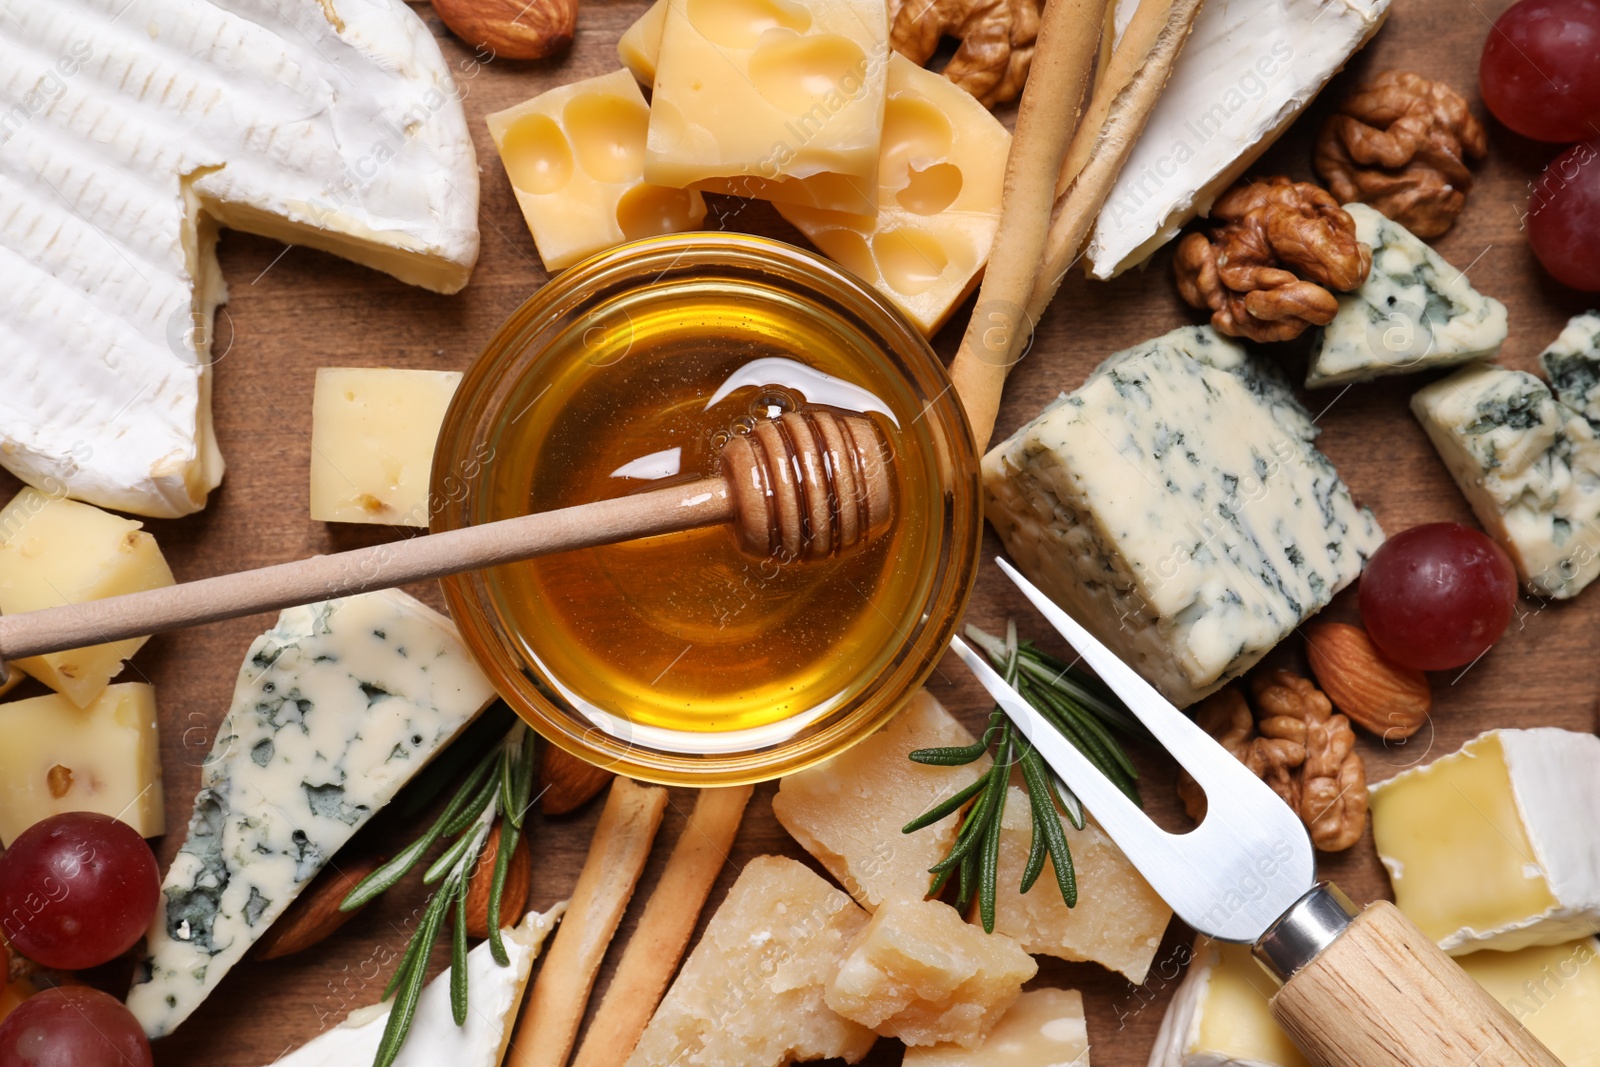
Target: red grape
[[1437, 596], [1540, 71], [1564, 216], [77, 890], [73, 1026]]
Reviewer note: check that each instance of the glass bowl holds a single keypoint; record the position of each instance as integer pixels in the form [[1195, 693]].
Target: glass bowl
[[683, 341]]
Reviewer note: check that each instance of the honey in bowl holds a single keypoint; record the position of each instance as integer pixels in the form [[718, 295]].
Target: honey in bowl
[[682, 643]]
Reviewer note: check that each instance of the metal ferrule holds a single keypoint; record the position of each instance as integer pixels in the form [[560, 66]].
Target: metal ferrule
[[1300, 934]]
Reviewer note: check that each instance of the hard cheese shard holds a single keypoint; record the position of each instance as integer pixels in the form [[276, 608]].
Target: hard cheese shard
[[1044, 1028], [848, 811], [1176, 506], [132, 129], [1244, 74], [494, 994], [1572, 363], [1488, 847], [1414, 312], [1219, 1016], [1529, 466], [336, 708]]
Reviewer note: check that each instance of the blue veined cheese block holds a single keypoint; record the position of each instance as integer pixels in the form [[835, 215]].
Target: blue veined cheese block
[[336, 708], [1176, 506], [1572, 363], [1414, 312]]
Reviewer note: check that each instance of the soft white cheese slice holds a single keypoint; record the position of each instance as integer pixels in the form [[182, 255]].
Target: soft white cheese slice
[[1529, 466], [130, 130], [1415, 312], [1176, 505], [335, 709], [1219, 1015], [1572, 363], [1243, 75], [1492, 845], [494, 993]]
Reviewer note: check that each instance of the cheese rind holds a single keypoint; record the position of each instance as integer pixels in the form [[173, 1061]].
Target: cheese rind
[[1415, 312], [335, 708], [57, 757], [1480, 844], [55, 551], [848, 811], [131, 131], [1528, 465], [1219, 1015], [1243, 75], [1176, 506], [373, 432], [1572, 363], [1044, 1028]]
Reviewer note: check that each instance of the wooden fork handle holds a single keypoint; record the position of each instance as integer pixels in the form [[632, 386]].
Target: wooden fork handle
[[1382, 994]]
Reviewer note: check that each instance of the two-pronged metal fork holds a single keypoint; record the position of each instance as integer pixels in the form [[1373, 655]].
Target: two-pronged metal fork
[[1361, 988]]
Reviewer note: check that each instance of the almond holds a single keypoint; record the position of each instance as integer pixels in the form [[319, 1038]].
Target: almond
[[315, 913], [513, 898], [567, 781], [513, 29], [1375, 692]]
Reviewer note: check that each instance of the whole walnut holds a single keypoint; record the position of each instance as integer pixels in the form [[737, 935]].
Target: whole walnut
[[997, 39], [1401, 144], [1266, 272]]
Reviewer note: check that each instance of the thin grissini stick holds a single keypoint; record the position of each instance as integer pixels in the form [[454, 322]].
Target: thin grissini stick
[[1051, 102], [657, 946], [1123, 101], [616, 858]]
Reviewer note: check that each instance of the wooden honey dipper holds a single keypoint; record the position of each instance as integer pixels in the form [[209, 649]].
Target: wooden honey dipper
[[804, 486]]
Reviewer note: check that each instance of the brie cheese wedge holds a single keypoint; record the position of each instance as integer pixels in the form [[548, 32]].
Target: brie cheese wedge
[[1219, 1015], [1553, 990], [132, 129]]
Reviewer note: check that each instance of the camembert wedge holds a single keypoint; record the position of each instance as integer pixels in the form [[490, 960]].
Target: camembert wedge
[[1219, 1016]]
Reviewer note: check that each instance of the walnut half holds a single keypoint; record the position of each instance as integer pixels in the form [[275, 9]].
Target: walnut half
[[1298, 745], [997, 38], [1402, 144], [1266, 271]]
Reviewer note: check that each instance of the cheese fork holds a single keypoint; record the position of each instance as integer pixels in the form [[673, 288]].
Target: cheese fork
[[1359, 988]]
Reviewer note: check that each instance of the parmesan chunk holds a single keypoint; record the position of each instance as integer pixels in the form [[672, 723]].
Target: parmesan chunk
[[1044, 1028]]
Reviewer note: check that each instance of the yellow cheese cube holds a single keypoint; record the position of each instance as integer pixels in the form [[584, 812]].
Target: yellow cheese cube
[[921, 973], [941, 170], [1044, 1028], [372, 435], [848, 811], [1219, 1014], [751, 992], [1553, 990], [1117, 923], [56, 757], [55, 551], [575, 156], [1488, 847], [751, 94]]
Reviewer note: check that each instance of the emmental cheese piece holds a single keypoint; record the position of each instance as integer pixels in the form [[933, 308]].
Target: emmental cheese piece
[[55, 551], [1044, 1028], [1176, 506], [920, 973], [639, 47], [373, 432], [848, 812], [1415, 312], [1219, 1015], [575, 157], [751, 992], [56, 757], [336, 707], [752, 94], [1553, 990], [1572, 363], [941, 169], [1529, 466], [1488, 847]]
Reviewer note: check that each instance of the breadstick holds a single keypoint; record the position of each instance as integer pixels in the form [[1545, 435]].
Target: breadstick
[[616, 858], [1063, 58], [669, 918]]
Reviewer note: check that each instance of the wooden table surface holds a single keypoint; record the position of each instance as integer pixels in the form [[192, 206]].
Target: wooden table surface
[[293, 310]]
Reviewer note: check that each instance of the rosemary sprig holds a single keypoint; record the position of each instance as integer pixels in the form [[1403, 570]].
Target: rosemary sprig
[[1076, 704], [497, 787]]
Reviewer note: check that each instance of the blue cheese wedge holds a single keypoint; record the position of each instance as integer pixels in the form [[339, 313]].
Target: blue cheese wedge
[[494, 993], [1572, 363], [1529, 466], [1176, 506], [336, 708], [1414, 312]]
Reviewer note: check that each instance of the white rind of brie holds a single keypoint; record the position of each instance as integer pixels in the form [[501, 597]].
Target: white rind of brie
[[129, 131], [1246, 71], [1222, 980]]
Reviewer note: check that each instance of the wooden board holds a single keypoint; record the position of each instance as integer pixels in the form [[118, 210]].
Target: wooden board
[[293, 310]]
